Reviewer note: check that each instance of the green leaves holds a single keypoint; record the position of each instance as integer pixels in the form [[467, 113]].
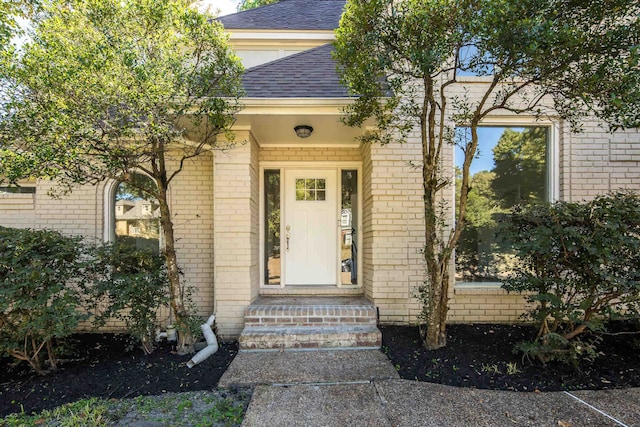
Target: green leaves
[[580, 260], [41, 274], [130, 285], [106, 74]]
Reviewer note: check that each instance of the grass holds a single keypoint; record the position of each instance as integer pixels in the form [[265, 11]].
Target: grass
[[218, 408]]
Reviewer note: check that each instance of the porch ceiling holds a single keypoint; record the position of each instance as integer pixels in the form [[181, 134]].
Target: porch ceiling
[[272, 121], [278, 130]]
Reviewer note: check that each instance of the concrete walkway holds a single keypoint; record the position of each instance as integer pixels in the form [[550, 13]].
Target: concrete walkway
[[361, 388]]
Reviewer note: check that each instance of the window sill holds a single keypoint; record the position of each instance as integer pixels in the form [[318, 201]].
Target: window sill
[[486, 288]]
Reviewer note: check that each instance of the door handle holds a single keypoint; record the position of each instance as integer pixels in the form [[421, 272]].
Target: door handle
[[288, 236]]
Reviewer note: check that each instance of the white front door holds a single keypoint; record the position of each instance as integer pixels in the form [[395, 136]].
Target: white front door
[[310, 227]]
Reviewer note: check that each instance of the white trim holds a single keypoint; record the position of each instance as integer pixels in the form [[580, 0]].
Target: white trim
[[280, 35], [283, 166], [109, 211], [553, 171], [355, 144], [294, 106], [553, 144]]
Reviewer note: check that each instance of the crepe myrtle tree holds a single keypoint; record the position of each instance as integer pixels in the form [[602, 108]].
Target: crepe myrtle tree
[[108, 87], [403, 58]]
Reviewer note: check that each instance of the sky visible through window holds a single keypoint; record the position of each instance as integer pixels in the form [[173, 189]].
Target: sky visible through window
[[488, 137]]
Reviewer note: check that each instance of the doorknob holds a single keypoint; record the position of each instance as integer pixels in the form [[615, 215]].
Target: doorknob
[[288, 235]]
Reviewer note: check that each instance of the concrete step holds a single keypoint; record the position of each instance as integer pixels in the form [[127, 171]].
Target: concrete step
[[310, 337]]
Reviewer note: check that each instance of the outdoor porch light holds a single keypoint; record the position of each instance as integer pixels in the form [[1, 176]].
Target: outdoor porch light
[[303, 131]]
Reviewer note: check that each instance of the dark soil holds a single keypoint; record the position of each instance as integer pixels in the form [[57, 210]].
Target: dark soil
[[478, 356], [106, 366]]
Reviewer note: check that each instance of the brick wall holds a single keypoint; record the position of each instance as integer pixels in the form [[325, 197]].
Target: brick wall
[[395, 225], [590, 163], [236, 233], [309, 154], [81, 212]]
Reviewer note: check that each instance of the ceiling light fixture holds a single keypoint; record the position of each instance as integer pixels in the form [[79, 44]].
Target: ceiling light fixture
[[303, 131]]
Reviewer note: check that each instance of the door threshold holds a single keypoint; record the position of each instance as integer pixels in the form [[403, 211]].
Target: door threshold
[[329, 290]]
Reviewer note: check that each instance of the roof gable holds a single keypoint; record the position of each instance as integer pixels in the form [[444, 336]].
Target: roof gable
[[308, 74], [288, 15]]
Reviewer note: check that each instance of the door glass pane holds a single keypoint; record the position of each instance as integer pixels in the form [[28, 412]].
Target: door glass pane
[[310, 189], [272, 226], [348, 227]]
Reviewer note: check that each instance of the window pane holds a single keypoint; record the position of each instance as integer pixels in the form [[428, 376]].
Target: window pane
[[272, 224], [348, 224], [137, 216], [310, 189], [510, 168]]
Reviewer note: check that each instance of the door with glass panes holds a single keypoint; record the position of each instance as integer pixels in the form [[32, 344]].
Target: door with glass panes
[[310, 227]]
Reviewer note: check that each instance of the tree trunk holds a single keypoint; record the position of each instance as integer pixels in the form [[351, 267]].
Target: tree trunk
[[185, 338], [437, 276]]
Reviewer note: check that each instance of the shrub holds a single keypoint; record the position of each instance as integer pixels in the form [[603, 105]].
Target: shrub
[[41, 277], [130, 285], [580, 263]]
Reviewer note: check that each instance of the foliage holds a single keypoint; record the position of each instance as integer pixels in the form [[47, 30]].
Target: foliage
[[558, 57], [250, 4], [130, 285], [10, 12], [196, 409], [41, 277], [109, 88], [91, 412], [579, 263]]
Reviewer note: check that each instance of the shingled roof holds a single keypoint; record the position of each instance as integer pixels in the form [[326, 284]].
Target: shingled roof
[[288, 15], [308, 74]]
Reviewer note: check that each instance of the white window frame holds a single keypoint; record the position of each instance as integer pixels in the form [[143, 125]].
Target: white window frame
[[553, 171], [109, 212]]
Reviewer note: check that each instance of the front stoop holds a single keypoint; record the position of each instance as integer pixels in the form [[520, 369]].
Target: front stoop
[[298, 323]]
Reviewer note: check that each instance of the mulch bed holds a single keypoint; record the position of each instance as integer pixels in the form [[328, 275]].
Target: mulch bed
[[106, 366], [479, 356]]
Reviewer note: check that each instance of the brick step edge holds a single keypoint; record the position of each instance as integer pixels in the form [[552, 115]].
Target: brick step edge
[[271, 316], [309, 338]]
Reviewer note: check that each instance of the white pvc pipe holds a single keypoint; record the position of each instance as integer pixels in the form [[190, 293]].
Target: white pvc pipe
[[212, 343]]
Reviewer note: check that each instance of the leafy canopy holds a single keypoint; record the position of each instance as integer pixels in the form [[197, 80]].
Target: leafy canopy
[[404, 60], [559, 56], [108, 84], [111, 89]]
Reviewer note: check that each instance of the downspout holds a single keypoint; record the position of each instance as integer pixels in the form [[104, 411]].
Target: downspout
[[212, 343]]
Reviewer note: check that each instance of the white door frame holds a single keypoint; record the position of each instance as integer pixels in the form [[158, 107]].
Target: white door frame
[[283, 167]]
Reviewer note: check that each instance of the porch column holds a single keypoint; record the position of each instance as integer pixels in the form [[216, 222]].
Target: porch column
[[236, 233], [394, 229]]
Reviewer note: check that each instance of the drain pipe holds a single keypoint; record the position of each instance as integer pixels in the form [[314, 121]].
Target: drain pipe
[[212, 343]]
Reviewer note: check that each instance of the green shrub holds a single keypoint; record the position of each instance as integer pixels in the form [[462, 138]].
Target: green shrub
[[130, 285], [580, 262], [41, 277]]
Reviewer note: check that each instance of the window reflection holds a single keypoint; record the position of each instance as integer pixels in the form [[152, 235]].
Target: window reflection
[[348, 227], [510, 169], [137, 215], [272, 263]]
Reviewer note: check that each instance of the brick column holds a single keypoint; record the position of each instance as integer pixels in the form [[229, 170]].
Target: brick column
[[235, 234]]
